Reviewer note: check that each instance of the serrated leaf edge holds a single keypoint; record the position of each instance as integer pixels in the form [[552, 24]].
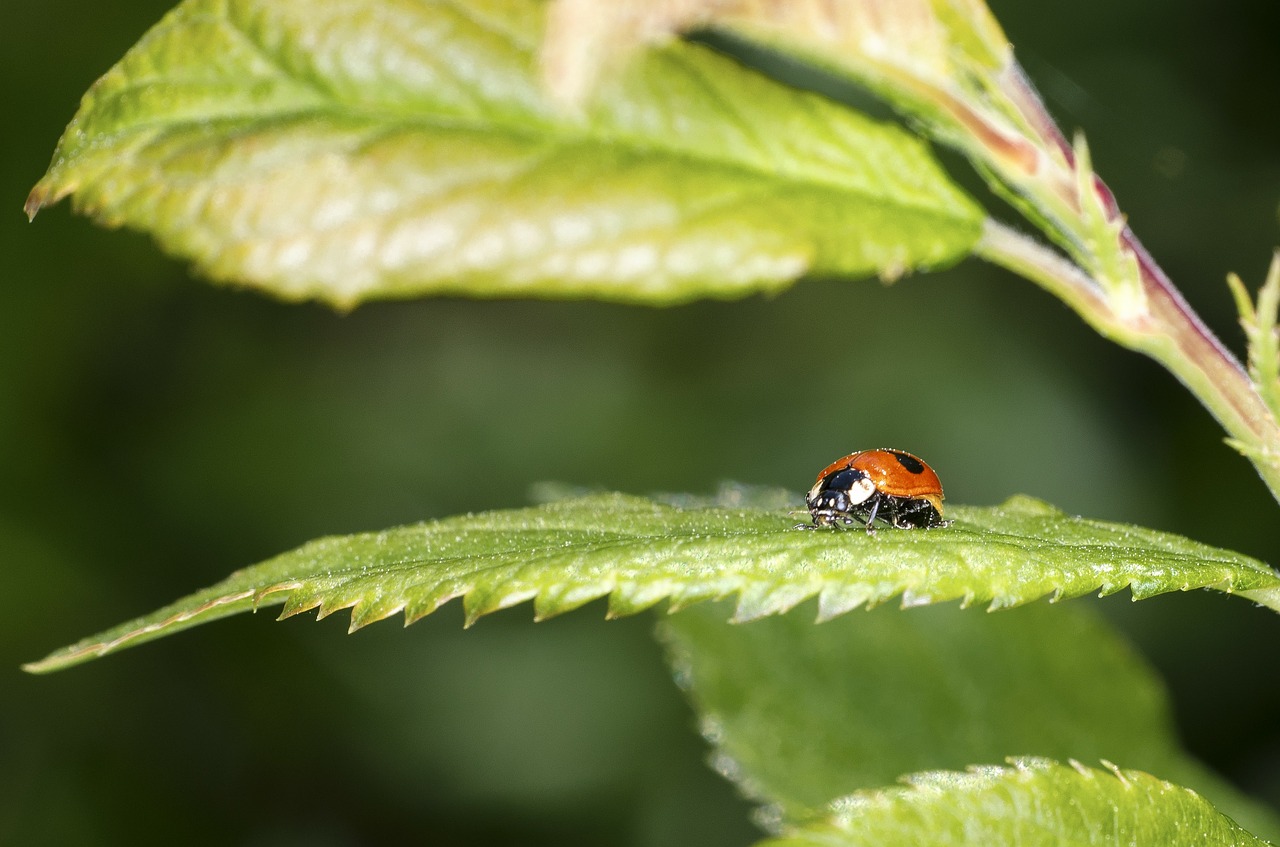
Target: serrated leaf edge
[[755, 596]]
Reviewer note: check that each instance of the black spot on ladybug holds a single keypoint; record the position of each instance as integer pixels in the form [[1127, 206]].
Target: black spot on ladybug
[[911, 463]]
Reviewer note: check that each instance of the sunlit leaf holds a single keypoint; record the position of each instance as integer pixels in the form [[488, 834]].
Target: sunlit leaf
[[909, 44], [355, 149], [1033, 803], [638, 552]]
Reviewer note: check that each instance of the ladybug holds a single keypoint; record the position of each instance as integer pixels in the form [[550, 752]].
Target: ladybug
[[894, 486]]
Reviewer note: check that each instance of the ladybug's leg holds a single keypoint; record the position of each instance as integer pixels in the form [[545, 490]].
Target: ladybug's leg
[[871, 518]]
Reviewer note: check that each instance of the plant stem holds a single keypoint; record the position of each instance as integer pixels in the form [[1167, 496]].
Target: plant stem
[[1170, 333], [1004, 246]]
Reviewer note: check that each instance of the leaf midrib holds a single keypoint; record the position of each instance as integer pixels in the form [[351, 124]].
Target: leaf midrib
[[524, 127]]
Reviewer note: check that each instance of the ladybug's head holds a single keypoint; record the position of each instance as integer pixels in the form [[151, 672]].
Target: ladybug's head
[[840, 492]]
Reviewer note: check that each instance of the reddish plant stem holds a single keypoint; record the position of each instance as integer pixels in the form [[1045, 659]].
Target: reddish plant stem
[[1172, 332]]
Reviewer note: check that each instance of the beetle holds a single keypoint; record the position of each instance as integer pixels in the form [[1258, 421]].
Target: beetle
[[892, 485]]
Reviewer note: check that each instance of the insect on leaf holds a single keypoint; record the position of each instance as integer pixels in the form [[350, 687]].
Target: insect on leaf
[[638, 552]]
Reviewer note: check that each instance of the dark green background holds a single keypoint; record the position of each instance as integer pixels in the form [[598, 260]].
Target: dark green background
[[157, 433]]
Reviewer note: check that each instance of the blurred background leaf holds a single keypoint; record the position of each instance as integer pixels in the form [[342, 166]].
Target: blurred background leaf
[[800, 715], [156, 432]]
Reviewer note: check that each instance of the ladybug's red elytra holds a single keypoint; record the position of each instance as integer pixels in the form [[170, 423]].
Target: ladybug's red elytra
[[892, 485]]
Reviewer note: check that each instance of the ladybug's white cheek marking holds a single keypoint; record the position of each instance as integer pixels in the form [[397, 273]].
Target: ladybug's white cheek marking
[[861, 491]]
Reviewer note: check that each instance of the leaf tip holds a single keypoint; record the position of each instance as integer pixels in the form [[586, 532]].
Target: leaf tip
[[42, 666], [66, 657], [36, 200], [48, 191]]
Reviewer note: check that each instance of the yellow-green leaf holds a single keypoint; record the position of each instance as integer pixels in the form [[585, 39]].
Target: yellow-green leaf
[[1032, 803], [346, 150]]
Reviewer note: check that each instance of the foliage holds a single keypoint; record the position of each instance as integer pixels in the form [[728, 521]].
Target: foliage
[[872, 697], [984, 806], [354, 151], [434, 164], [638, 552]]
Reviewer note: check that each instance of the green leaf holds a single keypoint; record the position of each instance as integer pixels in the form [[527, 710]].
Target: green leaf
[[638, 552], [1035, 802], [869, 697], [353, 150], [1263, 333]]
